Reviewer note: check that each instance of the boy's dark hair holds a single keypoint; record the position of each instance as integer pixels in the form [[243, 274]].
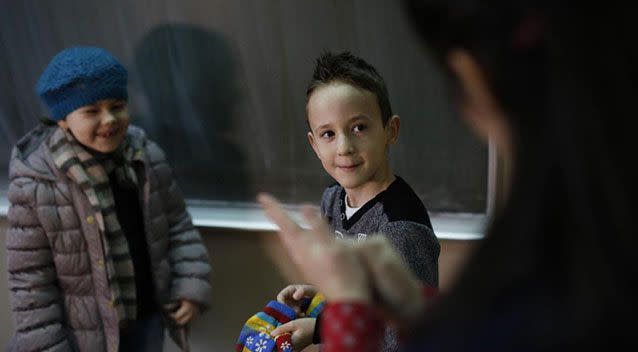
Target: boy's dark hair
[[347, 68]]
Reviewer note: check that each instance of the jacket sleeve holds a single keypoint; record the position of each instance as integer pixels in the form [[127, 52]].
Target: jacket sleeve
[[36, 301], [418, 246], [190, 268]]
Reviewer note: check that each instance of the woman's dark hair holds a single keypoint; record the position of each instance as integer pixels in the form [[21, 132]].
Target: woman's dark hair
[[565, 241]]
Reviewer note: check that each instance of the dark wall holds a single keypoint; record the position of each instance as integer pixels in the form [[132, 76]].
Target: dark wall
[[221, 86]]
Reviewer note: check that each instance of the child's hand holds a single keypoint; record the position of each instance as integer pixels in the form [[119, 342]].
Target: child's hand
[[302, 331], [185, 312], [293, 296]]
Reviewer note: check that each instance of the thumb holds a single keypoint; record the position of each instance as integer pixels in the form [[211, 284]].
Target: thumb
[[289, 327]]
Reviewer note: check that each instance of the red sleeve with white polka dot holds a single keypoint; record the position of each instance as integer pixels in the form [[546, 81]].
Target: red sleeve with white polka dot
[[349, 327]]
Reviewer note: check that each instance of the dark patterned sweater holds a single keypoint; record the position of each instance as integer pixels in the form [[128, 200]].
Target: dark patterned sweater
[[398, 214]]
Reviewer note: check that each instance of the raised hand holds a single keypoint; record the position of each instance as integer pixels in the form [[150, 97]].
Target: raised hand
[[334, 267]]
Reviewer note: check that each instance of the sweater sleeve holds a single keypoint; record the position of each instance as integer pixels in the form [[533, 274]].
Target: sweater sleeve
[[418, 246], [351, 327], [36, 300], [354, 327], [188, 257]]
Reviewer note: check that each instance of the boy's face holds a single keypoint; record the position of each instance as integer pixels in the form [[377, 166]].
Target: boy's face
[[348, 136], [101, 126]]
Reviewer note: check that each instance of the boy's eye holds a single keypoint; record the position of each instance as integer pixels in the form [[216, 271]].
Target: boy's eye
[[326, 134], [359, 128]]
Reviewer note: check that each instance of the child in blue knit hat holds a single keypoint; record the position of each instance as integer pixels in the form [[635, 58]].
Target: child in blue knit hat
[[102, 253]]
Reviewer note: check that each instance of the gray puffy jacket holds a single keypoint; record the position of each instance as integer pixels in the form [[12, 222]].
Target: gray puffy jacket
[[60, 296]]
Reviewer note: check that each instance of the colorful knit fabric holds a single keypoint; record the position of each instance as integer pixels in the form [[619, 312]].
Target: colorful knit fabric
[[315, 306], [255, 335]]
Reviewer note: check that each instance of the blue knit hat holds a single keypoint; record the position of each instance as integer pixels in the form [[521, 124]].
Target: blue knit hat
[[81, 76]]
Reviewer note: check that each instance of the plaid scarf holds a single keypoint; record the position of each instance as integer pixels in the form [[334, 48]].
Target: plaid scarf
[[92, 177]]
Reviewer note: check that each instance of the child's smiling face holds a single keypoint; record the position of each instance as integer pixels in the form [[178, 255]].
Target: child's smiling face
[[348, 135], [100, 126]]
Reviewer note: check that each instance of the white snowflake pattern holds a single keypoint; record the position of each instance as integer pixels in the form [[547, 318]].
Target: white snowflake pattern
[[260, 346], [249, 341], [285, 346]]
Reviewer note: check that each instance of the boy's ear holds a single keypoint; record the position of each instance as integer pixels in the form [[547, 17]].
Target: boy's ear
[[311, 140], [392, 129], [63, 124]]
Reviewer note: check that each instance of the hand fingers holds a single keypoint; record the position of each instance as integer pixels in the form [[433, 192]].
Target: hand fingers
[[294, 294], [321, 230], [276, 213], [289, 230], [182, 312], [376, 250], [284, 295], [284, 328], [185, 319], [299, 294], [373, 243]]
